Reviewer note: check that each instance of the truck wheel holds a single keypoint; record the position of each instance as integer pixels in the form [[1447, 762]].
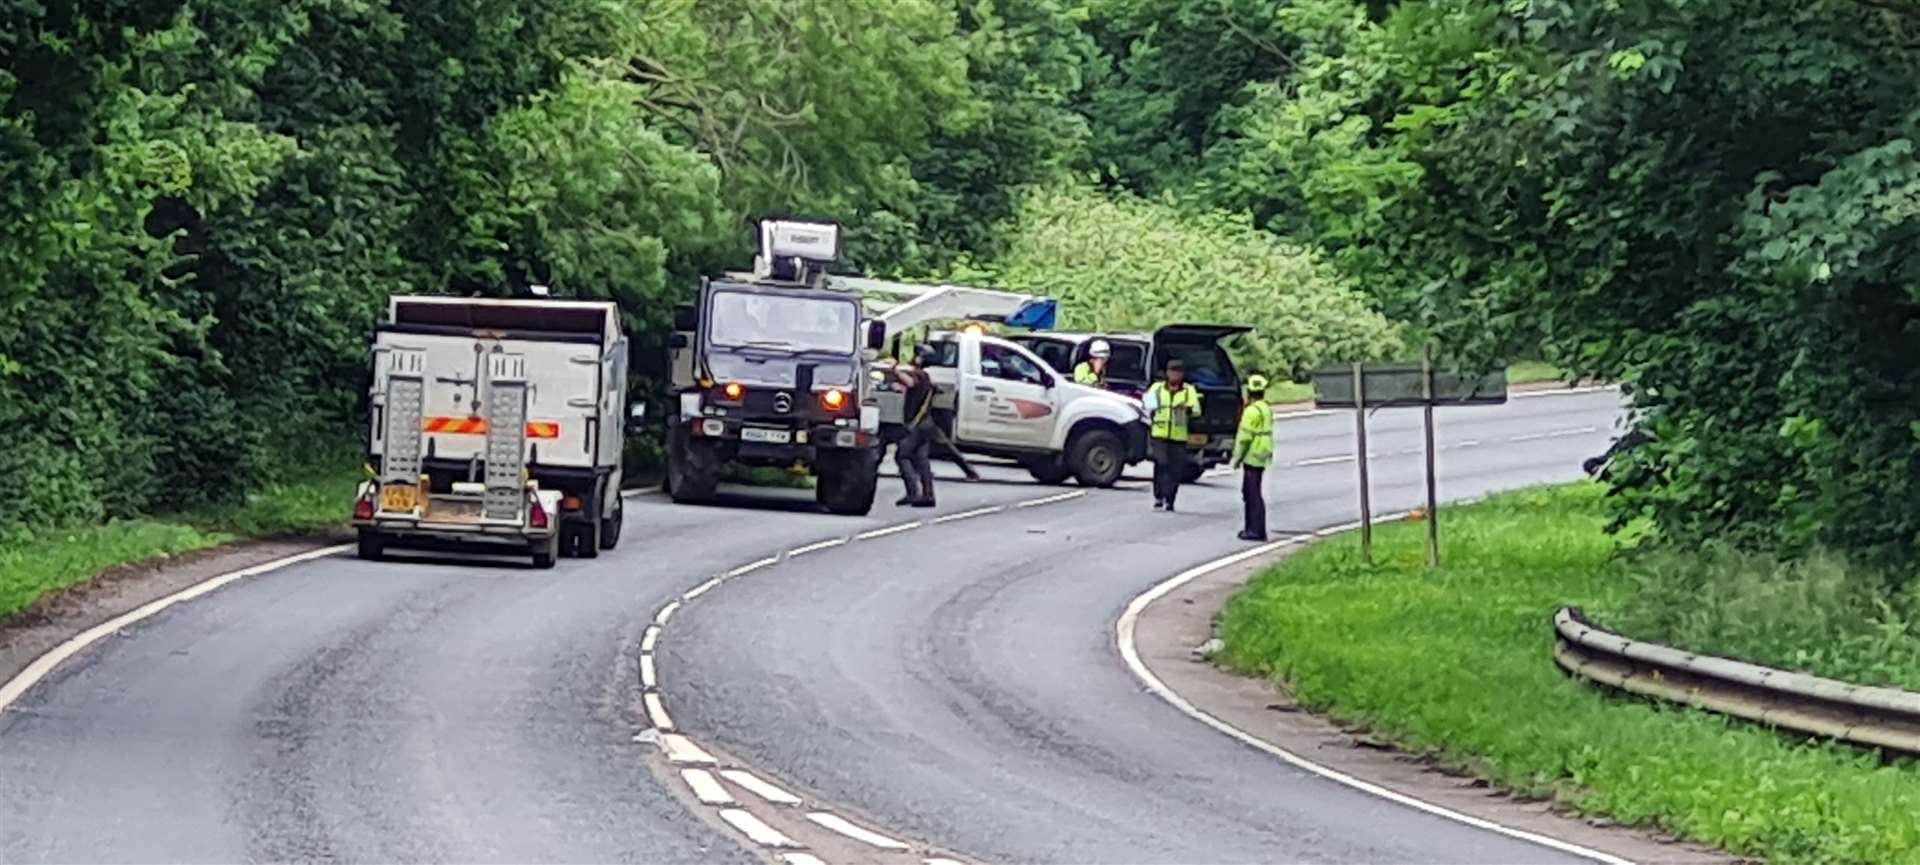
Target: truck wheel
[[611, 526], [848, 486], [1097, 458], [547, 552], [691, 479], [1192, 472], [583, 539], [1047, 470], [373, 547]]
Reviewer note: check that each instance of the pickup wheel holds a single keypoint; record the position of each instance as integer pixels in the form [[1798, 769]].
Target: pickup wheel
[[1047, 470], [373, 547], [1097, 457], [693, 472], [1192, 472]]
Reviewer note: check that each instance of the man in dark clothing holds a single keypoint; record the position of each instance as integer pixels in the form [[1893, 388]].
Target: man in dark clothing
[[1170, 404], [913, 452]]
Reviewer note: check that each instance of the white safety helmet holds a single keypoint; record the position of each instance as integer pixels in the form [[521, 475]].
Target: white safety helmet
[[1099, 348]]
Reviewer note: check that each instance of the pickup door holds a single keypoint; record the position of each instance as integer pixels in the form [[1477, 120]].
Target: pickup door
[[1004, 397]]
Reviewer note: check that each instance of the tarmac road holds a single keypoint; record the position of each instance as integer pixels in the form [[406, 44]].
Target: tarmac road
[[957, 683]]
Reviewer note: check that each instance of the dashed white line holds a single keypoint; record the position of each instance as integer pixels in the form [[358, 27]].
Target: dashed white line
[[750, 567], [1321, 461], [647, 678], [755, 829], [701, 589], [1469, 443], [976, 512], [1563, 433], [760, 787], [837, 823], [816, 546], [942, 862], [1034, 503], [657, 711], [666, 613], [682, 750], [649, 638], [801, 859], [890, 530], [705, 787]]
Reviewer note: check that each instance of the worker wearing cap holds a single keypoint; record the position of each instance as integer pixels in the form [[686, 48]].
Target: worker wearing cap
[[913, 452], [1092, 372], [1170, 403], [1253, 452]]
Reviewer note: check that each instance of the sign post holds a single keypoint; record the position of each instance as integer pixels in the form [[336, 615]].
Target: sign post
[[1377, 386]]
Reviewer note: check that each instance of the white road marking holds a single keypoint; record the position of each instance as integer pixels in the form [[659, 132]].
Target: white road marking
[[760, 787], [816, 546], [755, 829], [890, 530], [666, 613], [976, 512], [649, 638], [750, 567], [837, 823], [1561, 433], [681, 749], [1034, 503], [705, 787], [801, 859], [1321, 461], [1565, 391], [657, 711], [1469, 443], [701, 589], [1124, 638], [942, 862], [647, 678], [45, 664]]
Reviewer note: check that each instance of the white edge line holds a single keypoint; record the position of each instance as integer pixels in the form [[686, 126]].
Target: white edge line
[[648, 678], [801, 859], [816, 546], [657, 712], [976, 512], [758, 786], [890, 530], [755, 829], [1124, 638], [1325, 461], [836, 823], [648, 639], [666, 613], [1034, 503], [41, 666], [701, 589], [752, 566]]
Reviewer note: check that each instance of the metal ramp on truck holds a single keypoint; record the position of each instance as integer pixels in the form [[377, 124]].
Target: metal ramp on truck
[[902, 305]]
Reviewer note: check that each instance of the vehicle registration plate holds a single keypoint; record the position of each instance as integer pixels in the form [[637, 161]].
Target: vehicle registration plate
[[1197, 439], [399, 497], [766, 436]]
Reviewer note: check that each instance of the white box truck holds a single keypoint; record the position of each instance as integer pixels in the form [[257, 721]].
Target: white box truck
[[496, 422]]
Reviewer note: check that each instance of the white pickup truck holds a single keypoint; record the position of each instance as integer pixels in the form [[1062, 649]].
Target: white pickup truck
[[1003, 401]]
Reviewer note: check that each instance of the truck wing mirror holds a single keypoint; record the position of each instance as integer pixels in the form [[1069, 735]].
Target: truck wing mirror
[[876, 335], [685, 317], [677, 340]]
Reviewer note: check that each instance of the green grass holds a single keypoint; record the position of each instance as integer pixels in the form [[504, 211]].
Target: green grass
[[1455, 663], [59, 559]]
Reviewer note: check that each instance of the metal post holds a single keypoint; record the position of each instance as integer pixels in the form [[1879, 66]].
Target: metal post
[[1433, 503], [1360, 433]]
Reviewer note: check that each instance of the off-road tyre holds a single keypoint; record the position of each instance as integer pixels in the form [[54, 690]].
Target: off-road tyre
[[373, 547], [1192, 472], [1048, 470], [690, 479], [1097, 458], [847, 485]]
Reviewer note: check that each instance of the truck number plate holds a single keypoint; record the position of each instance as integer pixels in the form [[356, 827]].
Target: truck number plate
[[765, 436], [1197, 439], [399, 497]]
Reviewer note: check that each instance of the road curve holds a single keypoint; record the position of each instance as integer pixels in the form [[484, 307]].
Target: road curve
[[959, 684], [955, 683]]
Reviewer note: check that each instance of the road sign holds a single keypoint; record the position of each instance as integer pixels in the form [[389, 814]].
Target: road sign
[[1402, 385]]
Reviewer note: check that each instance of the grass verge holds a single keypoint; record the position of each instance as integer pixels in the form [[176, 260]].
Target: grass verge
[[60, 559], [1455, 663]]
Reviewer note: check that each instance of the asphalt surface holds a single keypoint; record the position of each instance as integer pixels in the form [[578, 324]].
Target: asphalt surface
[[955, 683]]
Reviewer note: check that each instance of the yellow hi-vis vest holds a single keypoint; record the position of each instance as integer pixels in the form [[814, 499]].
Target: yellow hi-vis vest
[[1083, 374], [1171, 410]]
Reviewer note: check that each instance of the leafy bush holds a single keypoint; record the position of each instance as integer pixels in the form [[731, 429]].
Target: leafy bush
[[1455, 663], [1125, 263]]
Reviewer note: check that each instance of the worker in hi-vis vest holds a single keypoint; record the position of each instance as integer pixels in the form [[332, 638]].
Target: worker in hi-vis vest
[[1252, 453], [1092, 372], [1170, 403]]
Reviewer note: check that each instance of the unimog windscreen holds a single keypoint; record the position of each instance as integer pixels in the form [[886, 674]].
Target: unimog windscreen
[[789, 322]]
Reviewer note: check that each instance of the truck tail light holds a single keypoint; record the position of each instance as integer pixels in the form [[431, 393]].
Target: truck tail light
[[570, 503], [363, 509], [536, 515]]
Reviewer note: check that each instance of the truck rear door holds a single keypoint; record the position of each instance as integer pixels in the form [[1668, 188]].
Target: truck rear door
[[1209, 369]]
